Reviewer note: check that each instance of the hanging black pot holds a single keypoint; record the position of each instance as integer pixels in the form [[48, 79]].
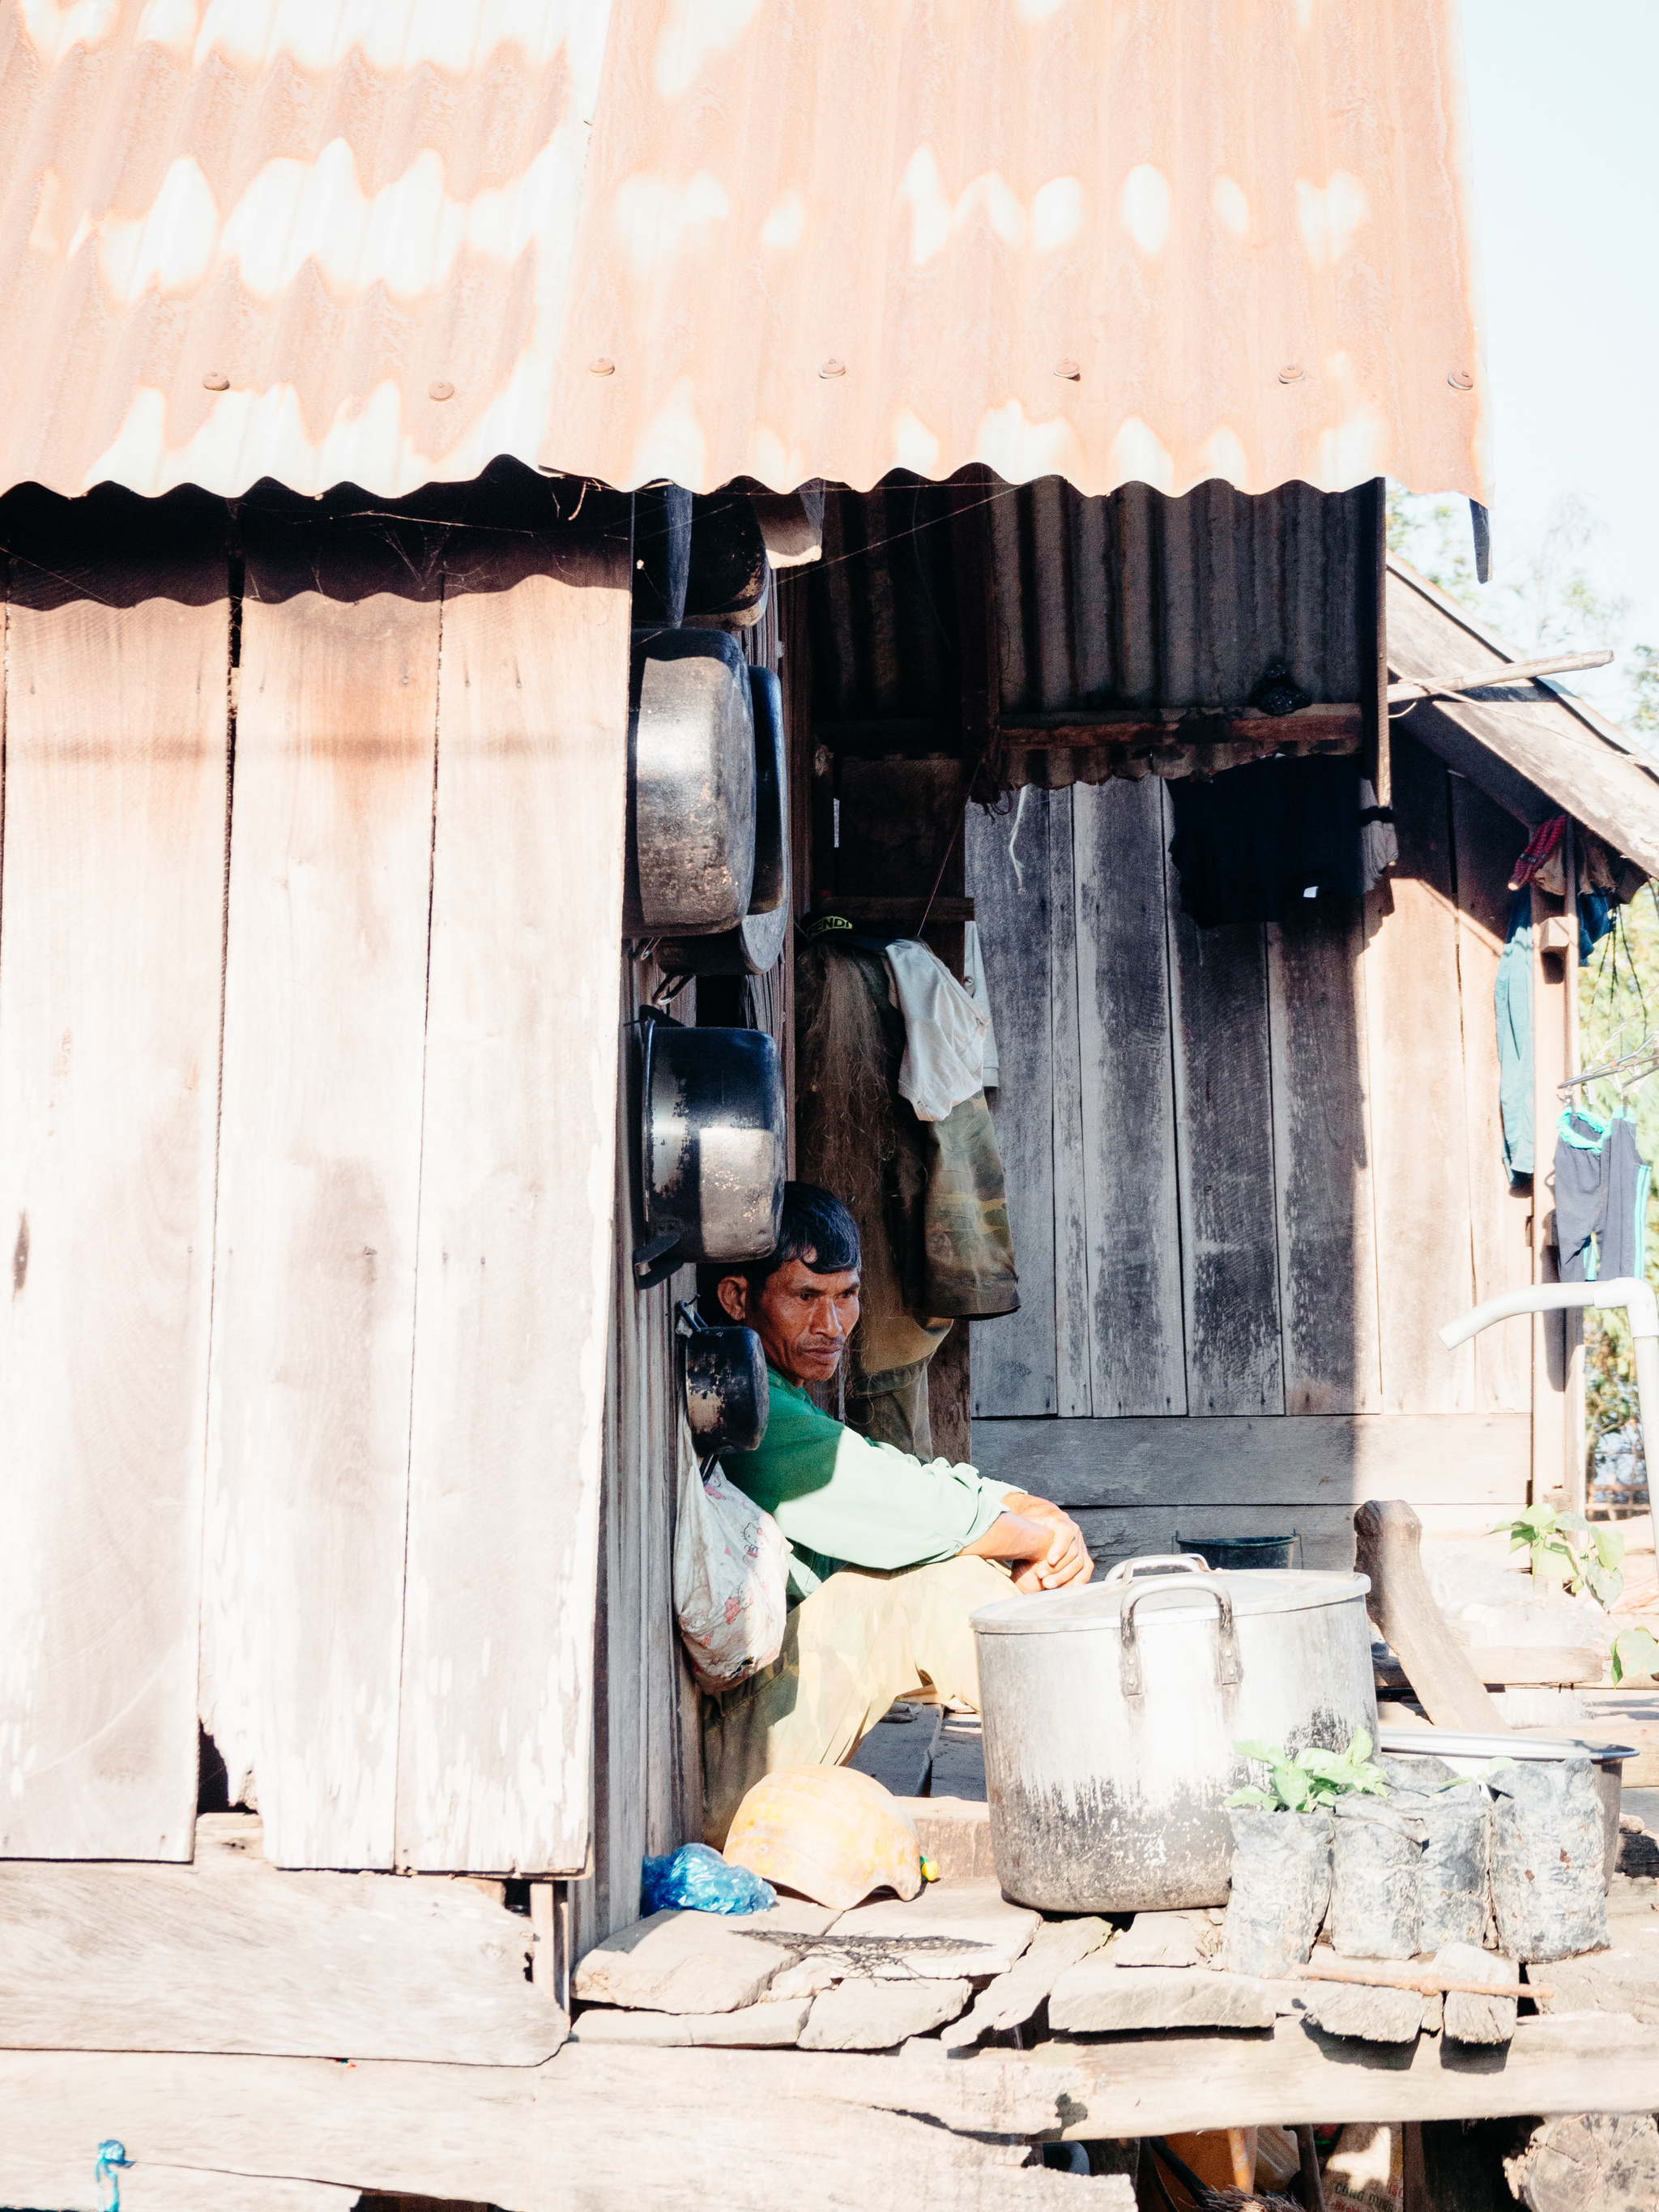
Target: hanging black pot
[[711, 1147], [727, 1401], [691, 859], [754, 947]]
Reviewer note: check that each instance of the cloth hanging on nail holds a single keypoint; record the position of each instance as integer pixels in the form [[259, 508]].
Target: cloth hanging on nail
[[1540, 859], [1512, 1003], [1259, 842], [1601, 1198], [944, 1031]]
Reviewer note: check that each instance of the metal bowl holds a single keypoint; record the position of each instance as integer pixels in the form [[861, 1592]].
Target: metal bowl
[[711, 1147]]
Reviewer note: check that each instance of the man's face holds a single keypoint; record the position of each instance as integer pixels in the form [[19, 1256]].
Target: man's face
[[802, 1320]]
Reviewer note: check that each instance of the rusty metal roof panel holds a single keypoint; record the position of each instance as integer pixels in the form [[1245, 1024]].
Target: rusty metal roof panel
[[1108, 240]]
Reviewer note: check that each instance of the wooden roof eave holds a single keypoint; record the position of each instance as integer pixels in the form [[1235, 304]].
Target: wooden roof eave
[[1533, 748]]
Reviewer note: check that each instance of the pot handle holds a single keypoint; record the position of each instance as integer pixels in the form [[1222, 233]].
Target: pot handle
[[1229, 1671], [1157, 1562]]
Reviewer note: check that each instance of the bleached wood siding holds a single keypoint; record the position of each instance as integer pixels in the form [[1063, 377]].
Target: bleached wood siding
[[1250, 1169], [303, 1359]]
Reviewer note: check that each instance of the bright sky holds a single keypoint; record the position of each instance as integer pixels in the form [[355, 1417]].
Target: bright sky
[[1566, 170]]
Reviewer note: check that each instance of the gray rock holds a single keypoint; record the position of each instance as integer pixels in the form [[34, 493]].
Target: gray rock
[[1168, 1939], [1470, 2018], [694, 1962], [975, 1930], [876, 2015], [1097, 1998], [1367, 2014], [752, 2027], [1014, 1996]]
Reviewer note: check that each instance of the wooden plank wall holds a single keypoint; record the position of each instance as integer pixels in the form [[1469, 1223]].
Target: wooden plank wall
[[382, 857], [1270, 1161]]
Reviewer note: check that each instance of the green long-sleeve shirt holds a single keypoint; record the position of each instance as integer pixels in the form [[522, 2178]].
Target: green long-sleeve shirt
[[843, 1501]]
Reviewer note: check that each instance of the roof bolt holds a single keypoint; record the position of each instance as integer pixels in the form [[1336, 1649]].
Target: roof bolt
[[1292, 373], [602, 367], [1460, 380], [442, 389], [215, 380], [1069, 371], [831, 369]]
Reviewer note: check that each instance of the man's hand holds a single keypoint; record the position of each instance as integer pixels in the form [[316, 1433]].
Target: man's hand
[[1047, 1543]]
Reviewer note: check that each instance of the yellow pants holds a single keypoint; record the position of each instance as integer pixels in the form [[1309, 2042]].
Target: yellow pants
[[849, 1649]]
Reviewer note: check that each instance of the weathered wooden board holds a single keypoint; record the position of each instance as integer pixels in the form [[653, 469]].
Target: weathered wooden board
[[1072, 1344], [600, 2125], [1224, 1147], [1486, 840], [1326, 1531], [1324, 1459], [1132, 1209], [1580, 2062], [114, 827], [71, 2184], [647, 1741], [229, 1956], [515, 1269], [1321, 1159], [1419, 1126], [1013, 1358], [319, 1182]]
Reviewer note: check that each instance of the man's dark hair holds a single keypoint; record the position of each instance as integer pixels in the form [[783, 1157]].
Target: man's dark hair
[[815, 1227]]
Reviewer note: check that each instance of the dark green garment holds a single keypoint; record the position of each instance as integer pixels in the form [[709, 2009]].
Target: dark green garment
[[842, 1501]]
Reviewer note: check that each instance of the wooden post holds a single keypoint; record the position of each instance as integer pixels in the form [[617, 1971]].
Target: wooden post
[[1374, 644], [1387, 1547]]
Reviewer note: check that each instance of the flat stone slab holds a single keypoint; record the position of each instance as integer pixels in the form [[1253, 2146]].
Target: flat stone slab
[[1014, 1996], [695, 1962], [1097, 1998], [1470, 2019], [969, 1927], [1168, 1939], [1623, 1978], [751, 2027], [865, 2015], [1366, 2014]]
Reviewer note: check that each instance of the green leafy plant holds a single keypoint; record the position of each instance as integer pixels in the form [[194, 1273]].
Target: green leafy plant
[[1547, 1536], [1635, 1651], [1315, 1778]]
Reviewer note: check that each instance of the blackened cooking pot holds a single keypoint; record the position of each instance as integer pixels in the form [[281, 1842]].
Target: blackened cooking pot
[[1111, 1713], [711, 1147]]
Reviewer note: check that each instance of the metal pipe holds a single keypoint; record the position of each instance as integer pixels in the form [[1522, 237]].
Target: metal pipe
[[1641, 1309]]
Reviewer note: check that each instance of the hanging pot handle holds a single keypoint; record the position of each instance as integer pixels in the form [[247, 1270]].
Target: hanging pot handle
[[1228, 1669]]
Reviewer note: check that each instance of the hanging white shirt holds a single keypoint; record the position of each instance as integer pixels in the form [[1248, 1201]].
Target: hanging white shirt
[[944, 1031], [973, 975]]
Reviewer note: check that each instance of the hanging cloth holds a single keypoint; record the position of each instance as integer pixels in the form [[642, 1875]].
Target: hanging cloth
[[973, 973], [944, 1031], [1601, 1198], [1541, 858], [1512, 999]]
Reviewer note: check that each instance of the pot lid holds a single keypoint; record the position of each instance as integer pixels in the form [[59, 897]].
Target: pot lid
[[1184, 1597]]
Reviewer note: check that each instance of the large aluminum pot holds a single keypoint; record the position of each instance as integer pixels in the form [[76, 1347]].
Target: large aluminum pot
[[1111, 1713]]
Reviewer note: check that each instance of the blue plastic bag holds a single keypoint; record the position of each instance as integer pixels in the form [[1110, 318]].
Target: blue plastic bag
[[699, 1879]]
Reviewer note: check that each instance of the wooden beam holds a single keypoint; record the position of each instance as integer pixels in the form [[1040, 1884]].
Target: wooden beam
[[899, 909], [1161, 2085], [1319, 728], [1328, 1459], [630, 2128]]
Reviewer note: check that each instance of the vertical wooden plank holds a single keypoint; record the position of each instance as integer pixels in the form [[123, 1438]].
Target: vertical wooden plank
[[110, 969], [1321, 1161], [1013, 1356], [1130, 1190], [1225, 1144], [1486, 840], [1072, 1332], [1419, 1121], [318, 1180], [1557, 1339], [516, 1212]]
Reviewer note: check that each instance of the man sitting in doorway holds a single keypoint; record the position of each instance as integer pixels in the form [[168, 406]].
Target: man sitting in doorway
[[891, 1556]]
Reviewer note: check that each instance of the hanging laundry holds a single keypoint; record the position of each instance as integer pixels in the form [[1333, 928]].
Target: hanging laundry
[[1594, 921], [1512, 1002], [1540, 862], [943, 1031], [1252, 844], [973, 975], [1601, 1198]]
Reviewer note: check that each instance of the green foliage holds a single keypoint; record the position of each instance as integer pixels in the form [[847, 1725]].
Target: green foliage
[[1547, 1537], [1313, 1778], [1635, 1651]]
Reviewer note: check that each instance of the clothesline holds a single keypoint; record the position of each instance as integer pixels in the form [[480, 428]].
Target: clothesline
[[1628, 1068]]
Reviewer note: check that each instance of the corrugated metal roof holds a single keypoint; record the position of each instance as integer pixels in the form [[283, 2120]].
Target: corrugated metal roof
[[1106, 240]]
